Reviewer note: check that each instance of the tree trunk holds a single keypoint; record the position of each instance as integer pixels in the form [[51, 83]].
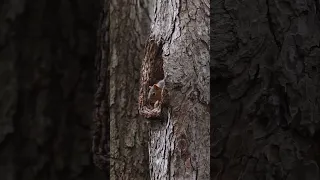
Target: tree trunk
[[179, 147], [129, 27], [265, 89], [46, 91], [101, 121]]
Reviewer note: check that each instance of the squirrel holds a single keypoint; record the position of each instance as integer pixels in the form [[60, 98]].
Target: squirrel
[[154, 96]]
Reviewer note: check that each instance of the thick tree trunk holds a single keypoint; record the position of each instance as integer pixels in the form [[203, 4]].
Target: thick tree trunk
[[265, 89], [129, 28], [179, 147], [46, 91]]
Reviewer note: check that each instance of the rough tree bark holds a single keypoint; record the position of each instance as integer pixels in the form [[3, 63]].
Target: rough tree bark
[[179, 147], [265, 89], [129, 28], [101, 121], [46, 91]]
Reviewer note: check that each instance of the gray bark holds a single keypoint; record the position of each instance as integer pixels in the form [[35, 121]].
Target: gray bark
[[46, 91], [265, 89], [179, 147], [129, 28]]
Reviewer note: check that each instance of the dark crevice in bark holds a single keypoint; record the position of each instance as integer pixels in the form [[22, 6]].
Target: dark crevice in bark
[[283, 107], [169, 157], [271, 26], [145, 9], [317, 4], [252, 83], [233, 30]]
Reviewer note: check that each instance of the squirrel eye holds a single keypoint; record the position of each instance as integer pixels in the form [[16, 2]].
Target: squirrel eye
[[153, 93]]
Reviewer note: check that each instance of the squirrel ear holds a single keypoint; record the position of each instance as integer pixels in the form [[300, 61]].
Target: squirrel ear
[[155, 86], [150, 87]]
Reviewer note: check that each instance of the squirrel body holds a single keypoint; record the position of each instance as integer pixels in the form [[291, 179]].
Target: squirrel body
[[155, 92]]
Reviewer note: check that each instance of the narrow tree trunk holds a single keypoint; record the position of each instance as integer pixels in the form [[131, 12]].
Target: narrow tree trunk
[[265, 89], [179, 147]]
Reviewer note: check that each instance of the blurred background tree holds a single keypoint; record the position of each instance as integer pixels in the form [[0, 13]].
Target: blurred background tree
[[47, 50]]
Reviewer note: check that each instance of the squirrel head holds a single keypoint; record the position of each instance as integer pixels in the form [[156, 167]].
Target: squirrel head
[[154, 93]]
